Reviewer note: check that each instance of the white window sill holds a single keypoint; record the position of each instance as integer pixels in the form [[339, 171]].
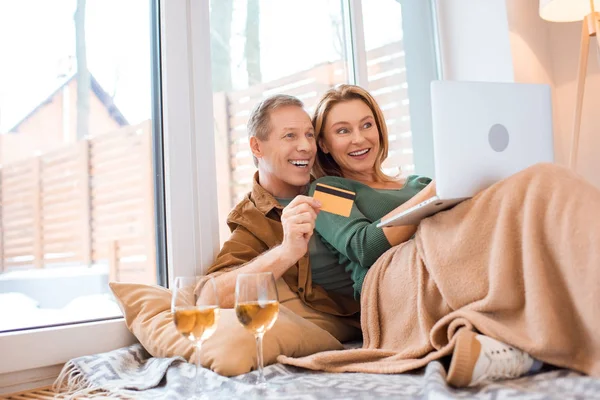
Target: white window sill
[[36, 356]]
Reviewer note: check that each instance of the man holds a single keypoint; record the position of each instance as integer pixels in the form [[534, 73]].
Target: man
[[268, 237]]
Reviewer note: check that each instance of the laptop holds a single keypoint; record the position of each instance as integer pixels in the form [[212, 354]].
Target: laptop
[[482, 132]]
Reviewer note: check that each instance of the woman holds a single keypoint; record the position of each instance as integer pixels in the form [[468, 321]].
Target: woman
[[352, 138], [352, 144]]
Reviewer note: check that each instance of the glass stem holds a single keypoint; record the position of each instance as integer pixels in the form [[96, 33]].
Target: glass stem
[[198, 367], [259, 359]]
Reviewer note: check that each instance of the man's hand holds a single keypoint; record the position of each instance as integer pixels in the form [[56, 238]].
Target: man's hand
[[298, 220]]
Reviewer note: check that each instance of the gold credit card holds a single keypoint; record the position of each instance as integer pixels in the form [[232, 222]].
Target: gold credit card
[[334, 200]]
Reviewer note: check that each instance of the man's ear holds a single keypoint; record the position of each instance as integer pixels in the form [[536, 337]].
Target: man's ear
[[255, 147], [323, 146]]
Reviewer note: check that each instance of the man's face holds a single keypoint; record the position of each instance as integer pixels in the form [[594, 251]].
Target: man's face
[[286, 158]]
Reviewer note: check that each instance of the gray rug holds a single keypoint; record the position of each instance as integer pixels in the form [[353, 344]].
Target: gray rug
[[130, 372]]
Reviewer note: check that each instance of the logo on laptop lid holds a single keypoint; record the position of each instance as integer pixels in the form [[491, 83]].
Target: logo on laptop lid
[[498, 137]]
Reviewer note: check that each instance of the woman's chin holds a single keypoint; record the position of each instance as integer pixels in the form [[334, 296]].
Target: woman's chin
[[366, 164]]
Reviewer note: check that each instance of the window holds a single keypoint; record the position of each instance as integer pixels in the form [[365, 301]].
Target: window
[[76, 159], [387, 81], [149, 63], [256, 53]]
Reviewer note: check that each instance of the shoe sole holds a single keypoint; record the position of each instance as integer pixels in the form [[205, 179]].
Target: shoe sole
[[464, 358]]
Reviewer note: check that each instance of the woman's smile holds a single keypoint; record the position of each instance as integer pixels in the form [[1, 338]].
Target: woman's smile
[[360, 154]]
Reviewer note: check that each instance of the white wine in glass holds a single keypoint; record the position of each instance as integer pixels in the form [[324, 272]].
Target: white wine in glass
[[257, 308], [195, 311]]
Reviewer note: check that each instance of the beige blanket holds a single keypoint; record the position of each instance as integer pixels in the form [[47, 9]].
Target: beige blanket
[[520, 262]]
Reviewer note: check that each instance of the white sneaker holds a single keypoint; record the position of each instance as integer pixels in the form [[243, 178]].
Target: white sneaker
[[478, 358]]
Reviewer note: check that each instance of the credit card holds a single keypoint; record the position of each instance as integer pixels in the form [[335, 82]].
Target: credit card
[[334, 200]]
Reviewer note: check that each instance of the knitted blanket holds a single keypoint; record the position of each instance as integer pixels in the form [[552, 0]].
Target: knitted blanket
[[519, 262]]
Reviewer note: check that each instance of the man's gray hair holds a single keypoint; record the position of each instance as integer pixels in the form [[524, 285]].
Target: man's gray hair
[[259, 120]]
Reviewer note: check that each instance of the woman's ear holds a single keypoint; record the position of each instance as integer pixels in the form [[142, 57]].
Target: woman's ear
[[255, 147], [323, 146]]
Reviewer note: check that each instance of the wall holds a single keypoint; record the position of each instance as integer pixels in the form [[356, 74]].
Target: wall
[[474, 40], [506, 40], [548, 52]]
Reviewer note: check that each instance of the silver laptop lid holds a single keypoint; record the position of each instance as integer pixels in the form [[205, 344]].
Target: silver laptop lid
[[484, 132]]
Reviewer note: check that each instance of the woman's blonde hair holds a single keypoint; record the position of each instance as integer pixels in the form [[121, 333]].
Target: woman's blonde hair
[[325, 165]]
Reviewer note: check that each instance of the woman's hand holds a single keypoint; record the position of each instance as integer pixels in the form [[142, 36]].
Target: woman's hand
[[399, 234], [431, 189]]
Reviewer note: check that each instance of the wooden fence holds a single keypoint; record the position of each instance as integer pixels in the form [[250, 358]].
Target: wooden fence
[[92, 202], [87, 203], [387, 82]]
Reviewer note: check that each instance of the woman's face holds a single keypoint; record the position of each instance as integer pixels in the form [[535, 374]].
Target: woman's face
[[352, 138]]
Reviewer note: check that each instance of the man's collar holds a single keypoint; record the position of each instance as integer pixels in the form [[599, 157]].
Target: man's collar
[[265, 201]]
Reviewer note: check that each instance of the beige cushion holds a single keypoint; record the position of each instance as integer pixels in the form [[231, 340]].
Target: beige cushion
[[232, 349]]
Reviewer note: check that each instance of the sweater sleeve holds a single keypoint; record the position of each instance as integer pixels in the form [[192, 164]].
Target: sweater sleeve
[[356, 237]]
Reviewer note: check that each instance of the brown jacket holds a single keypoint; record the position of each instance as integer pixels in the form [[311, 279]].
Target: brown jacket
[[255, 225]]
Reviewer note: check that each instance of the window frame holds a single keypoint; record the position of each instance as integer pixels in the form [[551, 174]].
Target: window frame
[[187, 140], [422, 67]]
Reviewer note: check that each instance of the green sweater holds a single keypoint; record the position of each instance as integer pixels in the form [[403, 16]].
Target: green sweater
[[356, 240]]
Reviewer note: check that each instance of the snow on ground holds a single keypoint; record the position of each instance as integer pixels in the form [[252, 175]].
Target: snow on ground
[[19, 310]]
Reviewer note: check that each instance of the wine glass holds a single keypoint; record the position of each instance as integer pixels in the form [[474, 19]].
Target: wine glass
[[257, 307], [195, 312]]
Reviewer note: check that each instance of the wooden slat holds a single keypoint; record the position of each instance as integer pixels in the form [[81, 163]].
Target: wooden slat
[[60, 167], [389, 67], [65, 153], [258, 90], [125, 184], [387, 82], [18, 235], [125, 149], [307, 88], [391, 48], [59, 208], [63, 247], [50, 187], [74, 259], [121, 164], [16, 211], [11, 173], [63, 237], [242, 162], [17, 198], [103, 197], [132, 174], [15, 251], [13, 225], [123, 206], [22, 183], [12, 253], [68, 226], [239, 134], [38, 245], [66, 197], [85, 228], [121, 133], [124, 218], [51, 219], [397, 96]]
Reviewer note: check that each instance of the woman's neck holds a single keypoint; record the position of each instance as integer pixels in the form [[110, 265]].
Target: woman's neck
[[367, 178], [372, 180]]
